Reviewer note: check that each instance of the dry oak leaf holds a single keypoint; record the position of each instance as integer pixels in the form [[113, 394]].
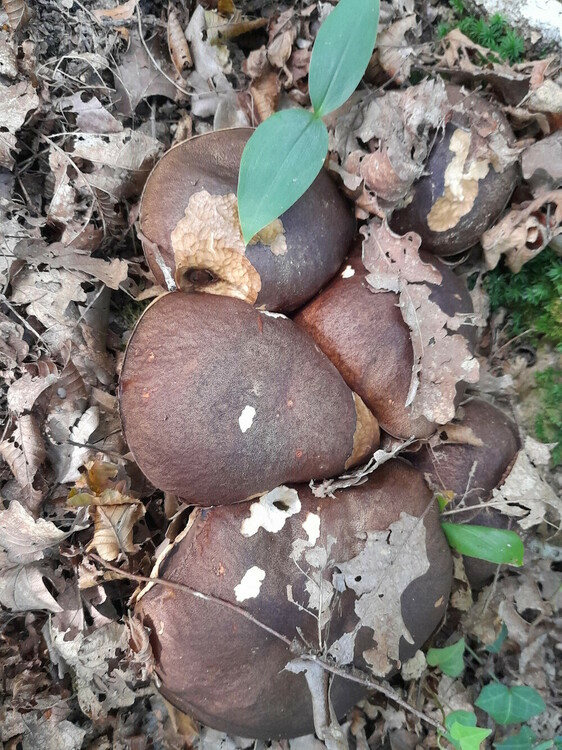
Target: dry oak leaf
[[524, 231], [395, 54], [91, 115], [137, 78], [441, 357], [113, 527], [15, 103], [378, 581], [24, 452]]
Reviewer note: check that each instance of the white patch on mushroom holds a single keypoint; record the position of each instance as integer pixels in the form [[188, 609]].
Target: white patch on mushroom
[[250, 585], [271, 511], [348, 272], [246, 418], [273, 314], [311, 525]]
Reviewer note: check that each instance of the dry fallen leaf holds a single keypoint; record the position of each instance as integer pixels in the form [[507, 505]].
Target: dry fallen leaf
[[15, 102], [442, 357], [91, 115], [24, 452], [524, 231], [120, 13], [395, 54], [177, 43], [541, 163]]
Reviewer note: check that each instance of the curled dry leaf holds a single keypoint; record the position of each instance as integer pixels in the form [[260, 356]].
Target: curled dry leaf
[[26, 539], [13, 348], [24, 452], [541, 163], [17, 12], [442, 357], [91, 115], [120, 13], [70, 455], [524, 231], [395, 54], [15, 102], [177, 44]]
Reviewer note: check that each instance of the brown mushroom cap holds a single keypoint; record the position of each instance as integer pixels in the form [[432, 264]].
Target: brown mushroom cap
[[471, 472], [227, 671], [364, 335], [221, 402], [451, 220], [317, 230]]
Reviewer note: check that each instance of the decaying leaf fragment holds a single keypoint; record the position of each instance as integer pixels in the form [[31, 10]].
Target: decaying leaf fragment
[[441, 354], [177, 43], [24, 452], [15, 102], [524, 232], [395, 54], [17, 12], [378, 578]]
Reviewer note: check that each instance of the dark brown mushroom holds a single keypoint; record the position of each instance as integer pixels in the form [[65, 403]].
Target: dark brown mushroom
[[365, 336], [190, 230], [221, 402], [468, 180], [384, 593], [472, 470]]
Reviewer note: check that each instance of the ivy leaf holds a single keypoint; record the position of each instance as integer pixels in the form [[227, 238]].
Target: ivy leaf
[[279, 163], [510, 705], [498, 643], [450, 659], [463, 732], [342, 50], [523, 740], [494, 545]]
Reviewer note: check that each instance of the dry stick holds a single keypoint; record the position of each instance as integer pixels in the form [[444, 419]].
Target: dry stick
[[352, 675]]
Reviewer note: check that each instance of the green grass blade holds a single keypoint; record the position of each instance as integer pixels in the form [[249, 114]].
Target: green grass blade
[[279, 163], [342, 50]]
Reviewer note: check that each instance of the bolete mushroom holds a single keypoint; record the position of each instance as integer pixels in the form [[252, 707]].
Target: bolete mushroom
[[190, 229], [364, 335], [483, 445], [367, 572], [221, 402], [470, 175]]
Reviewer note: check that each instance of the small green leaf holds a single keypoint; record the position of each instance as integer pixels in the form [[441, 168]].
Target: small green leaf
[[279, 163], [510, 705], [522, 740], [485, 543], [498, 643], [342, 50], [450, 659], [463, 732]]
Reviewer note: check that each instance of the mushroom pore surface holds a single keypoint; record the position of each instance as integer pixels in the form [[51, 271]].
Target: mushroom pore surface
[[315, 233], [220, 402], [391, 588]]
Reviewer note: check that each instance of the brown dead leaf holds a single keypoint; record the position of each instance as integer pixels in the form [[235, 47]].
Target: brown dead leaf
[[56, 255], [113, 529], [120, 13], [265, 95], [441, 357], [24, 452], [91, 115], [177, 43], [137, 78], [26, 539], [541, 163], [395, 54], [13, 348], [24, 392], [17, 12], [524, 231], [15, 102]]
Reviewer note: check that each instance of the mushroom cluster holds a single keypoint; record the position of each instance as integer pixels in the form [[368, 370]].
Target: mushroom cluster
[[235, 408]]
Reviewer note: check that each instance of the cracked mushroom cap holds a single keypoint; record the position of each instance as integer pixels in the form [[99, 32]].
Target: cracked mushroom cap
[[473, 469], [190, 229], [364, 335], [221, 402], [385, 568], [468, 180]]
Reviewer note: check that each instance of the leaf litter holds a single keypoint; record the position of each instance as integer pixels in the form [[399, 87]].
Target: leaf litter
[[89, 100]]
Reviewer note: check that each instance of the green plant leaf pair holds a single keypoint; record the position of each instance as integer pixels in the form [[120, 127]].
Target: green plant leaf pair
[[463, 732], [510, 705], [287, 151], [494, 545], [524, 739]]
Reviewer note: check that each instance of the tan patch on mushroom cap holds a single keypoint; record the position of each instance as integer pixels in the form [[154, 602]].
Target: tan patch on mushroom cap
[[366, 436], [209, 250], [461, 185]]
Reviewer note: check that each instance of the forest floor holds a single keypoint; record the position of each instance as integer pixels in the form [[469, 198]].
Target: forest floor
[[91, 95]]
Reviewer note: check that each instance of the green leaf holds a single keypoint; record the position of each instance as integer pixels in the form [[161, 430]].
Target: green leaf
[[522, 740], [485, 543], [510, 705], [279, 163], [450, 659], [342, 50], [463, 732]]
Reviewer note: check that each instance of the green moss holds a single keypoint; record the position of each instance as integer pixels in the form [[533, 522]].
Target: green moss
[[533, 301], [494, 34]]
